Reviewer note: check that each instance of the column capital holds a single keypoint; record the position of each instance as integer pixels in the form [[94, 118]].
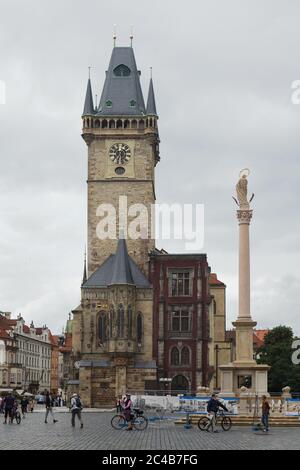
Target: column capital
[[244, 216]]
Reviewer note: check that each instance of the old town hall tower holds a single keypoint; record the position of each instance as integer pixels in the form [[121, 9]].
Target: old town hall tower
[[112, 335]]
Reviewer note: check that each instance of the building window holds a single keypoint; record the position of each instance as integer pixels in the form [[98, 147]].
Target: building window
[[185, 356], [111, 322], [108, 103], [132, 103], [120, 322], [129, 313], [139, 328], [180, 283], [180, 357], [175, 357], [181, 320], [102, 327], [122, 71]]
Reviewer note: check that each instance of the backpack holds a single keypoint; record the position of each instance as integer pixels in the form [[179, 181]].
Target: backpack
[[78, 403]]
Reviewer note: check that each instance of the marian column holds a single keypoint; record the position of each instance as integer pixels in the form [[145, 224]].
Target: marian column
[[244, 375], [244, 323]]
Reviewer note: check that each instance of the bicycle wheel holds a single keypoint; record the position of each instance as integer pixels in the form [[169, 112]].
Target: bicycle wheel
[[203, 423], [118, 422], [140, 423], [226, 423]]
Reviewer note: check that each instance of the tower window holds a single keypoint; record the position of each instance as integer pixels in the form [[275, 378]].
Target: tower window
[[122, 71], [108, 103], [102, 327]]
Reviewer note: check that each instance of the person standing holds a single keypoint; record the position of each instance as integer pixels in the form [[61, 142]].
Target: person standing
[[119, 404], [127, 407], [265, 413], [49, 407], [9, 402], [76, 407]]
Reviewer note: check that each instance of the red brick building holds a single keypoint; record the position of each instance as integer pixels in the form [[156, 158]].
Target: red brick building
[[181, 331]]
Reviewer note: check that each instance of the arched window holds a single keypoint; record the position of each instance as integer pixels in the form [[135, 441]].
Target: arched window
[[133, 124], [104, 124], [102, 327], [139, 328], [175, 357], [97, 123], [119, 124], [141, 124], [129, 316], [126, 124], [120, 322], [111, 322], [2, 352], [122, 71], [112, 124], [185, 356]]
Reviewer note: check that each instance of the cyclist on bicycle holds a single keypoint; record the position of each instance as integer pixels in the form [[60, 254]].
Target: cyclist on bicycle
[[212, 409], [127, 407]]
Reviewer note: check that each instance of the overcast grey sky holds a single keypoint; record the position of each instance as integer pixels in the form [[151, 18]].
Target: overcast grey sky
[[222, 74]]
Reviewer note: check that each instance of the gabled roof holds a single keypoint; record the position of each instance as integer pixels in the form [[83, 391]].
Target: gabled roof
[[151, 106], [122, 92], [118, 269], [214, 281]]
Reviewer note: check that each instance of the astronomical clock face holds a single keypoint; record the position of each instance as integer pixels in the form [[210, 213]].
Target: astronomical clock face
[[120, 153]]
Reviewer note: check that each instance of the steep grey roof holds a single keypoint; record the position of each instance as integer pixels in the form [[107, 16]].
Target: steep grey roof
[[122, 93], [89, 103], [118, 269], [122, 270], [151, 107]]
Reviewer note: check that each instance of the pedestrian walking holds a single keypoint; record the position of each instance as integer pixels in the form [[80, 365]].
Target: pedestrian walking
[[31, 404], [76, 407], [24, 405], [49, 407], [9, 402], [265, 413]]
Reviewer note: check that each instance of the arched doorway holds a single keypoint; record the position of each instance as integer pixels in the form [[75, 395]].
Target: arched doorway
[[180, 384]]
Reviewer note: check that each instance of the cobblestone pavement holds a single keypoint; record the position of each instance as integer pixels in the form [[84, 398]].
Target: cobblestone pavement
[[98, 434]]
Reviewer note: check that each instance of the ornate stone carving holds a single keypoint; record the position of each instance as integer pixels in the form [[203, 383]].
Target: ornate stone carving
[[244, 216]]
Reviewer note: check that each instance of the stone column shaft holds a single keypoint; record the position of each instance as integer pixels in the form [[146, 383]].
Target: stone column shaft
[[244, 217]]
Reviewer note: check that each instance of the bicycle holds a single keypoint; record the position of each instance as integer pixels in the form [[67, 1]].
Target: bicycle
[[205, 423], [139, 421], [15, 414]]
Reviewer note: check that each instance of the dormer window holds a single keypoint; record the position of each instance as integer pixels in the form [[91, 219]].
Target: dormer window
[[132, 103], [122, 71], [108, 103]]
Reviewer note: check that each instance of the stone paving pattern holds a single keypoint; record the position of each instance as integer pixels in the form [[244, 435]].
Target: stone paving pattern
[[98, 434]]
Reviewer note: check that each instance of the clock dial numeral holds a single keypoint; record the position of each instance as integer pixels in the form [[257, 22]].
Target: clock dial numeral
[[120, 153]]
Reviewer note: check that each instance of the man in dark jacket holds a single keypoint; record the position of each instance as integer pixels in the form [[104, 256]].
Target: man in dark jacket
[[212, 409], [9, 402]]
